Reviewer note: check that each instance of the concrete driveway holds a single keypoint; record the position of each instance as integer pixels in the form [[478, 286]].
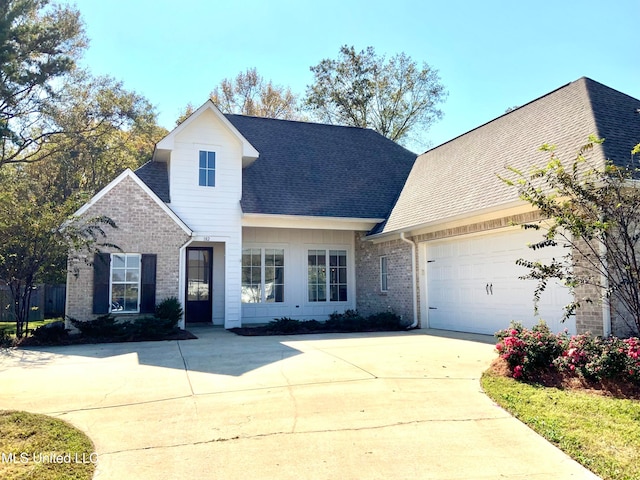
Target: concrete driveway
[[350, 406]]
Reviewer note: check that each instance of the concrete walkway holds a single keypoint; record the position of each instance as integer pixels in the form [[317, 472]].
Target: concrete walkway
[[349, 406]]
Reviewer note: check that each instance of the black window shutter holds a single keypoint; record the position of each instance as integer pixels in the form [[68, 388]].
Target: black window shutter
[[101, 272], [148, 284]]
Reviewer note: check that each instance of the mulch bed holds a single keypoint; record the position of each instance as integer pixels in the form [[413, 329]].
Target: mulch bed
[[78, 339], [265, 330], [617, 388]]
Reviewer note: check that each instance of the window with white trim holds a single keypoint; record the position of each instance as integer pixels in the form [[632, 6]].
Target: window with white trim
[[262, 275], [384, 287], [207, 169], [125, 282], [323, 287]]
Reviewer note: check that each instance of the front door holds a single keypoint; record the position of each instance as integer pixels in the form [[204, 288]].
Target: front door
[[198, 295]]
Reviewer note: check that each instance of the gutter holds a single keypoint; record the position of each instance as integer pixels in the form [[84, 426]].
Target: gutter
[[414, 286]]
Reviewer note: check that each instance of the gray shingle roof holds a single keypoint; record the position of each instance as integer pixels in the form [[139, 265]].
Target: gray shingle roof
[[156, 177], [460, 176], [320, 170]]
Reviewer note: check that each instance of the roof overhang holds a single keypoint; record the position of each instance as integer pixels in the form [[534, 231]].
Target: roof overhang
[[167, 144], [498, 211], [308, 222]]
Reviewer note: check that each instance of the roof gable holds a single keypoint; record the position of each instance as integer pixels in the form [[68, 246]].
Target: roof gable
[[130, 174], [249, 153], [459, 177], [320, 170]]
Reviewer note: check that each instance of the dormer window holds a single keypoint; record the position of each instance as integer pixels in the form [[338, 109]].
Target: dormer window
[[207, 171]]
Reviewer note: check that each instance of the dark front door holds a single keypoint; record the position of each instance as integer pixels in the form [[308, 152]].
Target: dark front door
[[198, 295]]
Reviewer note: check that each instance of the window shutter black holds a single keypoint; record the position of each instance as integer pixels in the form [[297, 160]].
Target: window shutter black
[[148, 284], [101, 272]]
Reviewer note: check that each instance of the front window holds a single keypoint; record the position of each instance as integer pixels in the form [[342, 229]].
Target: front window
[[125, 282], [383, 275], [319, 283], [262, 275], [207, 170]]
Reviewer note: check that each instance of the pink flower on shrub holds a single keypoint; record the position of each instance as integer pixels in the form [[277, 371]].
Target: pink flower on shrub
[[517, 371]]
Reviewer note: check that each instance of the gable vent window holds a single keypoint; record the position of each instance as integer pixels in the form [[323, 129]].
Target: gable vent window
[[207, 170]]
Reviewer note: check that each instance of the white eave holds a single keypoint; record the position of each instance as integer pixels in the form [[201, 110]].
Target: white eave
[[503, 210], [166, 145], [308, 222], [128, 173]]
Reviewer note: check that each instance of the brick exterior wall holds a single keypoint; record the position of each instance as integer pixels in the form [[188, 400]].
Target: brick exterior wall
[[589, 315], [399, 297], [143, 227]]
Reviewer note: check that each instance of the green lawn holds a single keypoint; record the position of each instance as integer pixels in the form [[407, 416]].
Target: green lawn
[[602, 433], [10, 327], [36, 446]]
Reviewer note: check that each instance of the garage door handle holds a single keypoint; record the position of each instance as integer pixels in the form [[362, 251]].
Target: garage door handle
[[489, 288]]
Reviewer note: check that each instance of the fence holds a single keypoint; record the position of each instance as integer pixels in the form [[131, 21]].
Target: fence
[[47, 301]]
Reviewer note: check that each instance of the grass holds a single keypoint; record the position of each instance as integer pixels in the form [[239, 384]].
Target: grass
[[10, 327], [28, 441], [599, 432]]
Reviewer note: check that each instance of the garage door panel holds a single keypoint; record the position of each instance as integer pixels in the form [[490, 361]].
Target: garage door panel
[[473, 284]]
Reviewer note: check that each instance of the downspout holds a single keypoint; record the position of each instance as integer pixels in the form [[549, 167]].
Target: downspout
[[414, 285]]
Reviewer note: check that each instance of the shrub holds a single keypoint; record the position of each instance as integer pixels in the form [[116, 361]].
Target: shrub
[[385, 320], [284, 325], [103, 327], [149, 328], [536, 351], [349, 321], [529, 351], [6, 339], [169, 309], [51, 333]]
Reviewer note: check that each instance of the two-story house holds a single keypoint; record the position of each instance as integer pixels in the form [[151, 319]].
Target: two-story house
[[248, 219]]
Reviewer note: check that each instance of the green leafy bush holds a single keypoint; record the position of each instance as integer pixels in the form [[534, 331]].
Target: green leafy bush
[[103, 327], [285, 325], [107, 327], [385, 320], [349, 321], [51, 333], [6, 339], [169, 309], [529, 353]]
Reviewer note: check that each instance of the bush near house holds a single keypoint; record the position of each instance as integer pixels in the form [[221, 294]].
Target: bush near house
[[348, 321], [163, 325], [538, 353]]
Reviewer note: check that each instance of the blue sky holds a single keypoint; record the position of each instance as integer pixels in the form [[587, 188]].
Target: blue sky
[[491, 54]]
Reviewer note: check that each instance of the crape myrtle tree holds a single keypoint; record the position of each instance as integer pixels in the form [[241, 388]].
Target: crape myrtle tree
[[594, 211], [395, 97], [34, 241]]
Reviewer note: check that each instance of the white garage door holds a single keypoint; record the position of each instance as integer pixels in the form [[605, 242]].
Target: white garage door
[[473, 284]]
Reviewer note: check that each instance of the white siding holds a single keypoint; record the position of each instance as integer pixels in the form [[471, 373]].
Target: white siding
[[296, 243], [213, 213]]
